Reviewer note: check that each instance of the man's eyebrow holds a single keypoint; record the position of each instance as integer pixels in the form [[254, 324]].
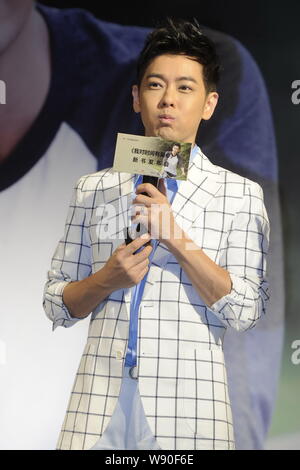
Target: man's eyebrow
[[189, 79], [155, 75], [159, 75]]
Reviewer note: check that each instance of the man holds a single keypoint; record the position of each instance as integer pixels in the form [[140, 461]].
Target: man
[[207, 275], [172, 159]]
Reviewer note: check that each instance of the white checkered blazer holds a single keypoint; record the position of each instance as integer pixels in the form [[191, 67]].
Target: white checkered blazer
[[181, 370]]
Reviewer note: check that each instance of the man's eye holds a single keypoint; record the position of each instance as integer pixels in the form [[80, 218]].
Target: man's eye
[[154, 85], [185, 88]]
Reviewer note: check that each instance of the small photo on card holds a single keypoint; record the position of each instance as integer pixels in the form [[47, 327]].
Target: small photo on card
[[152, 156]]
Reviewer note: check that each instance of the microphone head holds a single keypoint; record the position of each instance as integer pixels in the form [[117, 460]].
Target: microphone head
[[150, 179]]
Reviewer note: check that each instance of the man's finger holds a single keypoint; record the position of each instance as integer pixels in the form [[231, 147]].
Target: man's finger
[[148, 188], [138, 243], [138, 209]]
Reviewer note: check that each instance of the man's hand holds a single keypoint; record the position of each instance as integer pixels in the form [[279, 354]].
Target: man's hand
[[123, 269], [126, 268], [154, 212]]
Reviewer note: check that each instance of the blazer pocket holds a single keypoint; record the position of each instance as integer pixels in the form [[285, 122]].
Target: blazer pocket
[[205, 403]]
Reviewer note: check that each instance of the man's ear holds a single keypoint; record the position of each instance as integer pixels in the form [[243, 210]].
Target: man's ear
[[136, 99], [210, 105]]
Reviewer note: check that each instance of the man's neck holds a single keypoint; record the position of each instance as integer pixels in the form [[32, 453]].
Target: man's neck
[[25, 69]]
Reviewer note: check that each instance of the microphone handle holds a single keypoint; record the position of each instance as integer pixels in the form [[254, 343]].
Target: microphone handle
[[146, 179]]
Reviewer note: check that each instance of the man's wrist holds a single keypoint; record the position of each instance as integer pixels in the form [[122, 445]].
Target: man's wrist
[[178, 242], [100, 281]]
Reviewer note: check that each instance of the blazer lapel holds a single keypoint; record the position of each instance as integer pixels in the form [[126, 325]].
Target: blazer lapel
[[191, 199], [126, 187], [118, 189]]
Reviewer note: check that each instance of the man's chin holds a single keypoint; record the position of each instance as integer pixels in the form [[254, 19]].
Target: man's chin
[[167, 133]]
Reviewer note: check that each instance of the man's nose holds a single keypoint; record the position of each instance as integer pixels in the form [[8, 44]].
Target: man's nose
[[168, 98]]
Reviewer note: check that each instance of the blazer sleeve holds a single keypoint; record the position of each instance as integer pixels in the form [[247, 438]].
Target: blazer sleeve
[[244, 257], [71, 260]]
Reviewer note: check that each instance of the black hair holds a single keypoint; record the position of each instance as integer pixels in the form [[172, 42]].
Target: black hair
[[176, 144], [181, 37]]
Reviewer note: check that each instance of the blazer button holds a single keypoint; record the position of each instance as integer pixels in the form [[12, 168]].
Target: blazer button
[[119, 355]]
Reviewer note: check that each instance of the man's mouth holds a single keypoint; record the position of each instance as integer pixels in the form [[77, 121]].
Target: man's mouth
[[166, 118]]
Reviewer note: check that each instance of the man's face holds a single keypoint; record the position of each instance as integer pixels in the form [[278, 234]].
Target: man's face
[[175, 149], [172, 98]]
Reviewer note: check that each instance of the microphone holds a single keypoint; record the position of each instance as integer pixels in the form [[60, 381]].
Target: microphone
[[150, 179], [146, 179]]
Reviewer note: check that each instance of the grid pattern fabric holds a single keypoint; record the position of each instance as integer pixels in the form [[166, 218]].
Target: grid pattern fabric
[[181, 368]]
